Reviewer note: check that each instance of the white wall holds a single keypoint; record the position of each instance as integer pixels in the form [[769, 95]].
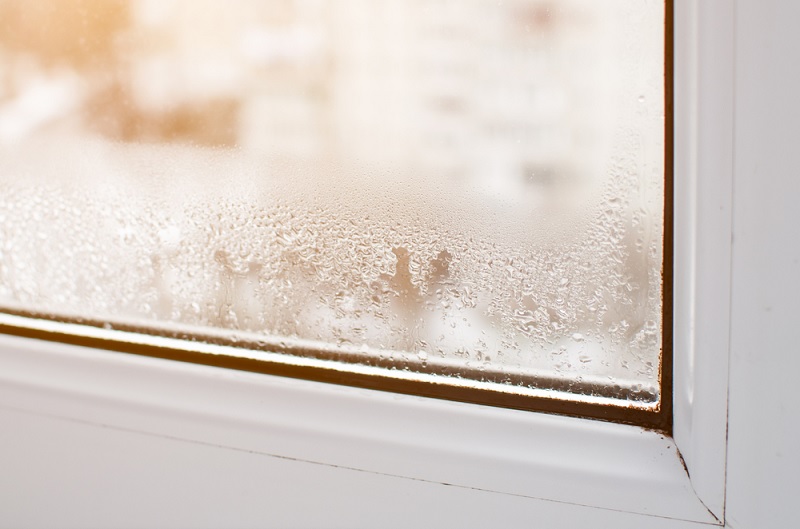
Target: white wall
[[763, 457]]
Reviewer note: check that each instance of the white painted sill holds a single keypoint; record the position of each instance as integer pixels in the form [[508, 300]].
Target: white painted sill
[[562, 459], [572, 461]]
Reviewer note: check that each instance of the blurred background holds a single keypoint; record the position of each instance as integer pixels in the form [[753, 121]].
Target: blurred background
[[498, 170], [512, 93]]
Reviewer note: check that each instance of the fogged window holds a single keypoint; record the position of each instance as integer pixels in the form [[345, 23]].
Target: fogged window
[[471, 189]]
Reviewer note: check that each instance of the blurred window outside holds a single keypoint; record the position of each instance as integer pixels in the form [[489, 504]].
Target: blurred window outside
[[463, 189]]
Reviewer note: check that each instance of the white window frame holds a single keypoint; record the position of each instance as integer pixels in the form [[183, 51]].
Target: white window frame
[[617, 468]]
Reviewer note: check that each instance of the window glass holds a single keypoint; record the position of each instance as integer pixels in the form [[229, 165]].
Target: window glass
[[470, 189]]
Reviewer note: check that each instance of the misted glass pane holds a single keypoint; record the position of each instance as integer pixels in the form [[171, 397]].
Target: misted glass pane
[[469, 188]]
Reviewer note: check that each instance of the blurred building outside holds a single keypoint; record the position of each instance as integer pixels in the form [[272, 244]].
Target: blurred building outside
[[517, 99], [479, 91]]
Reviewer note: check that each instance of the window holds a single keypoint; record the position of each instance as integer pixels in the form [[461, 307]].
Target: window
[[562, 470], [461, 201]]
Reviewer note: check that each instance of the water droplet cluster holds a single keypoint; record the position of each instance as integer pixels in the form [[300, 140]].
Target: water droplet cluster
[[390, 263]]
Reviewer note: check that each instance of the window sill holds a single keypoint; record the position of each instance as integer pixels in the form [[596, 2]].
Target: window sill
[[580, 462]]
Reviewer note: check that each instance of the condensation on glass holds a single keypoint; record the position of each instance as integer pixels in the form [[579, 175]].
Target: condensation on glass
[[470, 189]]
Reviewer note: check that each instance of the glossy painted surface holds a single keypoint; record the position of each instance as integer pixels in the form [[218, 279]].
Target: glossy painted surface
[[591, 463], [704, 115]]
